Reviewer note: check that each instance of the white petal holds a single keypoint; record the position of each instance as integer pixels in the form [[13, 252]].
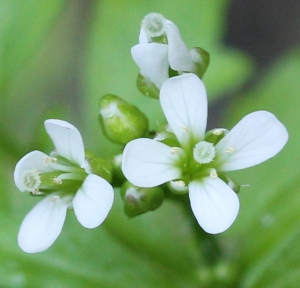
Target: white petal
[[214, 204], [184, 102], [256, 138], [32, 160], [152, 59], [180, 58], [42, 224], [148, 163], [93, 201], [66, 139], [143, 38]]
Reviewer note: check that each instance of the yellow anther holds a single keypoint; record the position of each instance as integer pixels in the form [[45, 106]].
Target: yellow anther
[[49, 160], [180, 183], [185, 128], [230, 149], [218, 132], [213, 174], [55, 198], [174, 150], [57, 180]]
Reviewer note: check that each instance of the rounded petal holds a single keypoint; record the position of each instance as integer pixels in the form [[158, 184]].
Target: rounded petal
[[93, 201], [66, 139], [32, 160], [42, 224], [256, 138], [152, 59], [148, 163], [214, 204], [143, 38], [184, 102], [180, 58]]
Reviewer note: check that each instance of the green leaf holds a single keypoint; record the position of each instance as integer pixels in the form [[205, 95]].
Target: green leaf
[[267, 230]]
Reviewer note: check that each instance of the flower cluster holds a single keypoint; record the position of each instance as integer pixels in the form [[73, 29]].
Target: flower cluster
[[195, 161], [66, 180], [183, 155]]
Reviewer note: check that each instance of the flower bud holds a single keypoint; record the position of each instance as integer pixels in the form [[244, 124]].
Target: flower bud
[[146, 87], [121, 122], [201, 59], [118, 176], [138, 200]]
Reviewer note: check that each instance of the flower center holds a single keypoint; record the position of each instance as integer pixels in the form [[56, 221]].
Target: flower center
[[204, 152], [154, 24], [31, 180]]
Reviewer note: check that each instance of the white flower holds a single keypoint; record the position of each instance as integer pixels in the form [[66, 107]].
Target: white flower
[[199, 160], [154, 59], [64, 179]]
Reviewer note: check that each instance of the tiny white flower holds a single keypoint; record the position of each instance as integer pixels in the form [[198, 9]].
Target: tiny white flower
[[64, 179], [154, 59], [200, 160]]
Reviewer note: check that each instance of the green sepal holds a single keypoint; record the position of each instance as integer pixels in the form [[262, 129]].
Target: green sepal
[[201, 58], [146, 87], [99, 166], [118, 176], [121, 122], [138, 200], [232, 184]]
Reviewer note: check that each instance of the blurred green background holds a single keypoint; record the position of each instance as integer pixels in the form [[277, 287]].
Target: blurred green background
[[58, 57]]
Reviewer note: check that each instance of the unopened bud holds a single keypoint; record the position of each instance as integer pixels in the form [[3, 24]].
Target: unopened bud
[[146, 87], [201, 59], [138, 200], [121, 122]]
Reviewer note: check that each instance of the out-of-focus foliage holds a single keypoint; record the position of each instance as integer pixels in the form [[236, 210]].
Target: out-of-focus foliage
[[38, 49]]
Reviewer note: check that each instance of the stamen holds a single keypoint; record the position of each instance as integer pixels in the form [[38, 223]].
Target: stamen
[[174, 150], [31, 180], [204, 152], [178, 186], [154, 24], [218, 132], [49, 160], [57, 181], [230, 149], [185, 129], [55, 198], [213, 174]]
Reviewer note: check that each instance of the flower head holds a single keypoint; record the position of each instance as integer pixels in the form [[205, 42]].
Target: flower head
[[155, 55], [198, 160], [64, 179]]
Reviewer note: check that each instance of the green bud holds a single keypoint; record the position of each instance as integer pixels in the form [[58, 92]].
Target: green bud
[[201, 59], [146, 87], [98, 166], [215, 135], [121, 122], [138, 200]]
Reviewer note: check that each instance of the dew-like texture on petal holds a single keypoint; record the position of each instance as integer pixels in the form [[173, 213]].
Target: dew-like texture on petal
[[66, 139], [32, 160], [256, 138], [42, 225], [93, 201], [180, 58], [148, 163], [214, 204], [184, 102], [152, 59]]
